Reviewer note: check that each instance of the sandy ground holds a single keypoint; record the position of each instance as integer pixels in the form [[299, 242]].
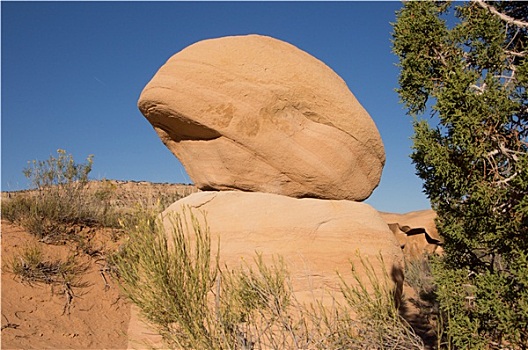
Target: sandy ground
[[98, 317], [33, 315]]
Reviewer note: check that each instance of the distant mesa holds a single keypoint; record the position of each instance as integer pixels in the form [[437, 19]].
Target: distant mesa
[[257, 114]]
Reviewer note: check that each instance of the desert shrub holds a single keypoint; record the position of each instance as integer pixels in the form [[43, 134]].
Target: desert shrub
[[169, 280], [31, 267], [195, 303], [13, 209], [380, 324], [428, 322], [60, 198], [101, 204], [139, 214], [256, 307], [419, 276]]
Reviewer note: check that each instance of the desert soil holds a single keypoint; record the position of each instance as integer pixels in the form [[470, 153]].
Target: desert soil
[[39, 316]]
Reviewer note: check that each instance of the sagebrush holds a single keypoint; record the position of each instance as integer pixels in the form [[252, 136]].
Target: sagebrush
[[60, 199], [195, 303]]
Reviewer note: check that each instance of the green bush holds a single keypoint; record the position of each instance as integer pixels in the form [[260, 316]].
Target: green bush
[[60, 198], [195, 303], [169, 285], [419, 277], [14, 209], [374, 303], [465, 63]]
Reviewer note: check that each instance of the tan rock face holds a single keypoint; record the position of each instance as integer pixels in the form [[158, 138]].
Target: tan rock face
[[416, 232], [315, 237], [257, 114]]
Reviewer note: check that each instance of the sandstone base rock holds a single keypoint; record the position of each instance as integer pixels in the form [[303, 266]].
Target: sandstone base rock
[[316, 239]]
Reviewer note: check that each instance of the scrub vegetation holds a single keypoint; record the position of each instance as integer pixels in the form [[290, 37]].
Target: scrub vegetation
[[195, 303]]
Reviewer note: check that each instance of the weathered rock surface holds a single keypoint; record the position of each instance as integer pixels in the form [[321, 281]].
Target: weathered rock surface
[[416, 232], [257, 114], [316, 238]]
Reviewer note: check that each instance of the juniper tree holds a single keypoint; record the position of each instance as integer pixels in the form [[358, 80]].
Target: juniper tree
[[465, 64]]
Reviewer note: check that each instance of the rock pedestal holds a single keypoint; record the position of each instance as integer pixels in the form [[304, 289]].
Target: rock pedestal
[[316, 238]]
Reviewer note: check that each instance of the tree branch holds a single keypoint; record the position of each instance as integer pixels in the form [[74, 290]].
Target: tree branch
[[479, 89], [502, 16], [506, 180], [517, 54]]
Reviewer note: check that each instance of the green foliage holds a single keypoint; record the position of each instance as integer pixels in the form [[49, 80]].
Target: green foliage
[[179, 286], [361, 296], [254, 291], [428, 322], [59, 171], [253, 305], [13, 209], [473, 77], [61, 199], [169, 280], [419, 277]]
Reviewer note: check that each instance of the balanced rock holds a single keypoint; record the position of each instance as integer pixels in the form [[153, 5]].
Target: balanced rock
[[257, 114], [316, 238]]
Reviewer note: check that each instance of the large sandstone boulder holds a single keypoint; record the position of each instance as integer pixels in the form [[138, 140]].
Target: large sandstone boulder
[[316, 238], [257, 114]]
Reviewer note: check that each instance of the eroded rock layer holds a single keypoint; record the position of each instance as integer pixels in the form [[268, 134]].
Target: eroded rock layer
[[416, 232], [316, 238]]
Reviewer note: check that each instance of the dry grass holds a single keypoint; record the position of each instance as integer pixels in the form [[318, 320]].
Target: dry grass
[[427, 320], [31, 267], [52, 214]]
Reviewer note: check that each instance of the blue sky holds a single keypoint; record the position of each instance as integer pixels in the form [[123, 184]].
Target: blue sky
[[72, 73]]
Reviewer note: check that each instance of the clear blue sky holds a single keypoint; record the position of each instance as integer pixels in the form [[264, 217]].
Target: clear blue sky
[[72, 73]]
